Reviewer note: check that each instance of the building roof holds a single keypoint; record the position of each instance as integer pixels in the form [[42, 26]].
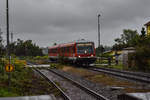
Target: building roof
[[148, 23], [129, 48]]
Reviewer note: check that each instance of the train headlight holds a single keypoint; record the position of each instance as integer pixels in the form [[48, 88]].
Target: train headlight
[[79, 56]]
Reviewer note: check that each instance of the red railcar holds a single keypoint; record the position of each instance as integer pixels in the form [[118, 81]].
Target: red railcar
[[78, 52]]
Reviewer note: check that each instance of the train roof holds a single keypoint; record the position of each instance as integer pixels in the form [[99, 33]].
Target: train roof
[[82, 41], [71, 43], [76, 41], [53, 47]]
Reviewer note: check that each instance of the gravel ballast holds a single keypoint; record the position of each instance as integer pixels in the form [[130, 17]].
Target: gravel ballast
[[101, 89], [75, 93]]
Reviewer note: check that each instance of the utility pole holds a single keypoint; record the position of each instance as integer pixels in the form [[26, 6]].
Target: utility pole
[[7, 25], [99, 30], [11, 37], [8, 46], [99, 37]]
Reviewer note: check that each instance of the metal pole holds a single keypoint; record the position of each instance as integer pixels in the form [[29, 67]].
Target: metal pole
[[99, 30], [99, 35], [8, 46], [11, 37]]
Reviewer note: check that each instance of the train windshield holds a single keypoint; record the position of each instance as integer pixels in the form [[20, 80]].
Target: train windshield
[[85, 48]]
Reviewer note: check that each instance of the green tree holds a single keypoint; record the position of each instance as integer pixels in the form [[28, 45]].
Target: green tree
[[2, 49], [128, 38], [143, 32], [26, 48], [142, 55], [128, 35], [99, 50]]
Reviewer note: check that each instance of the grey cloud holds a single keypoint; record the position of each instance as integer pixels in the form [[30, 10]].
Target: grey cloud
[[65, 20]]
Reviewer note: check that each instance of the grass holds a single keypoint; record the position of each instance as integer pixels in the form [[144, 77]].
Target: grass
[[23, 82], [119, 66], [113, 65], [56, 65]]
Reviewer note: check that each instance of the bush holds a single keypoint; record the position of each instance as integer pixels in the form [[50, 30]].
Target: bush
[[141, 58]]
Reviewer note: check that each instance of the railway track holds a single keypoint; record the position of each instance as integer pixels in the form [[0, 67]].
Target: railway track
[[89, 91], [64, 95], [141, 77]]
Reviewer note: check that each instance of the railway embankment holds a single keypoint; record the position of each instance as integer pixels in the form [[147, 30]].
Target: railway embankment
[[106, 80]]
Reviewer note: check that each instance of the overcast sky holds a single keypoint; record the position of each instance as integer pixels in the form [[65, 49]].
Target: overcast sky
[[49, 21]]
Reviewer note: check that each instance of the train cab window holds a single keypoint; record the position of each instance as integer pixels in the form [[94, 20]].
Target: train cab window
[[85, 48]]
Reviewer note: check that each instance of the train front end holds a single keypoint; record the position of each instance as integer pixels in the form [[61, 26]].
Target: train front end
[[85, 53]]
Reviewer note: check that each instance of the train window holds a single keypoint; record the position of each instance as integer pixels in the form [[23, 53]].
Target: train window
[[85, 48], [53, 50], [70, 51], [67, 49], [61, 50], [73, 48], [56, 50], [64, 50]]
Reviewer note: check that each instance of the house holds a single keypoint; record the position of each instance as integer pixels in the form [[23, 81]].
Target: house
[[147, 27]]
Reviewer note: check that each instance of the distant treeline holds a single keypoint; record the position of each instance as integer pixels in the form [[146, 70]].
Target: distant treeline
[[20, 48]]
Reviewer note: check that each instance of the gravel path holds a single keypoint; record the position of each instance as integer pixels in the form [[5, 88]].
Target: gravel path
[[103, 90], [71, 90]]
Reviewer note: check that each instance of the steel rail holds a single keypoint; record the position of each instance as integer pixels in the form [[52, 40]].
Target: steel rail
[[91, 92], [137, 77], [66, 97], [146, 75]]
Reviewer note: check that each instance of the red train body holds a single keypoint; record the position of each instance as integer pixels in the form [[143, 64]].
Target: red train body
[[78, 52]]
